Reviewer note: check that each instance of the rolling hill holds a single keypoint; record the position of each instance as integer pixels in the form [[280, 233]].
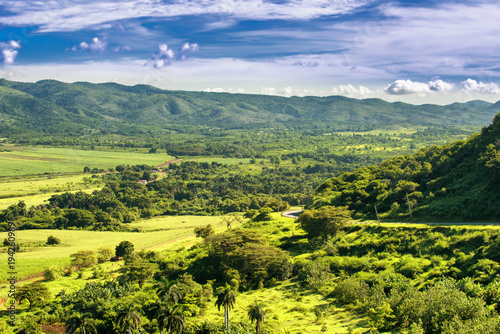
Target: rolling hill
[[55, 107], [460, 180]]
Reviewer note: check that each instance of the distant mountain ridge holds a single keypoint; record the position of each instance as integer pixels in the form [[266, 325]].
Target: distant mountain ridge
[[53, 106]]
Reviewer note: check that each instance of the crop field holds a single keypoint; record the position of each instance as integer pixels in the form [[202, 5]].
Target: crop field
[[37, 190], [39, 160], [35, 256]]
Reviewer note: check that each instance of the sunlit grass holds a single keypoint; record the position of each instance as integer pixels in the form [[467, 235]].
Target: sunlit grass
[[35, 256], [288, 309], [39, 160]]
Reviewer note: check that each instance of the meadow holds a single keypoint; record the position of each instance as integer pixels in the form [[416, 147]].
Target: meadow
[[18, 161], [36, 256], [38, 189]]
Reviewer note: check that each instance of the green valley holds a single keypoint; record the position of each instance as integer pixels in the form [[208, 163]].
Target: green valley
[[397, 231]]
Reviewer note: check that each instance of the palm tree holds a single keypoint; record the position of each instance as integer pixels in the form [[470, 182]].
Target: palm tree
[[172, 319], [226, 298], [256, 313], [80, 324], [168, 290], [169, 316], [129, 317]]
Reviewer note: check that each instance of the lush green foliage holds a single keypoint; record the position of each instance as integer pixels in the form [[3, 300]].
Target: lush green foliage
[[457, 181], [77, 109], [124, 248], [34, 293], [324, 222]]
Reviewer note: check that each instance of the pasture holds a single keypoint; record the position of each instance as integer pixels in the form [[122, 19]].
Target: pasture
[[290, 308], [35, 256], [19, 161]]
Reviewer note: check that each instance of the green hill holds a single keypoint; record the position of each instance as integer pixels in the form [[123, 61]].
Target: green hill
[[457, 181], [50, 106]]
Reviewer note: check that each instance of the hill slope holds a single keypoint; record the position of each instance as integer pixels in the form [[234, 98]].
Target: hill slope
[[457, 181], [57, 107]]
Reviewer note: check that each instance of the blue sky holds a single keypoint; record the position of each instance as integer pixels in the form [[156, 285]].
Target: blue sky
[[413, 51]]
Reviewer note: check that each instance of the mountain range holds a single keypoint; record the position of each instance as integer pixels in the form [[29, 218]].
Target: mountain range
[[50, 106]]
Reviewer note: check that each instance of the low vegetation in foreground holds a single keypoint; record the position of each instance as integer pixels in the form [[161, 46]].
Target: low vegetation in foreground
[[360, 278]]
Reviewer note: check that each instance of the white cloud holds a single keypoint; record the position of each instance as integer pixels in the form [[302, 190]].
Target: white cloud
[[97, 45], [286, 91], [402, 87], [67, 15], [165, 56], [352, 91], [225, 90], [9, 51], [451, 38], [472, 86]]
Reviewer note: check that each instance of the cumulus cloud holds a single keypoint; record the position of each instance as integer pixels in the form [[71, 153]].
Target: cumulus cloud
[[473, 86], [224, 90], [285, 91], [97, 45], [352, 91], [403, 87], [166, 56], [9, 51]]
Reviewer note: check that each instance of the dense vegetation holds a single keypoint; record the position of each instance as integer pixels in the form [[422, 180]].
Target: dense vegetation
[[56, 109], [460, 180], [400, 279], [457, 181], [187, 188]]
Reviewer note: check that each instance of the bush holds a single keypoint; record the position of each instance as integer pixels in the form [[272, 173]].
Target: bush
[[314, 275], [50, 274], [124, 248], [350, 291], [51, 240]]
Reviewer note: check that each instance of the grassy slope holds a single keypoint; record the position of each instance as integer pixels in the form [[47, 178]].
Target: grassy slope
[[288, 307], [38, 160], [35, 256]]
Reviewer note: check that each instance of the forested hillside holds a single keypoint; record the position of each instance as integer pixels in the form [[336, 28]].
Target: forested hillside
[[460, 180], [81, 108]]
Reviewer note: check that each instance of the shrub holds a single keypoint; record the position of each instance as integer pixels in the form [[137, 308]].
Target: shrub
[[124, 248], [50, 274], [350, 291], [51, 240], [313, 275]]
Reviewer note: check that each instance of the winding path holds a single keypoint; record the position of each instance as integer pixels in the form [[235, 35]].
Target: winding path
[[292, 213]]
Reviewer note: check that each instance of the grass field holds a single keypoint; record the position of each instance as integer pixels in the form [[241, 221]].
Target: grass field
[[23, 160], [35, 256], [36, 190], [288, 309]]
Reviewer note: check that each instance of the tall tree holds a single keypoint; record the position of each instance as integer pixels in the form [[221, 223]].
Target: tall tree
[[168, 315], [80, 324], [168, 290], [128, 318], [225, 298], [326, 221], [125, 248], [256, 313], [34, 293], [139, 272]]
